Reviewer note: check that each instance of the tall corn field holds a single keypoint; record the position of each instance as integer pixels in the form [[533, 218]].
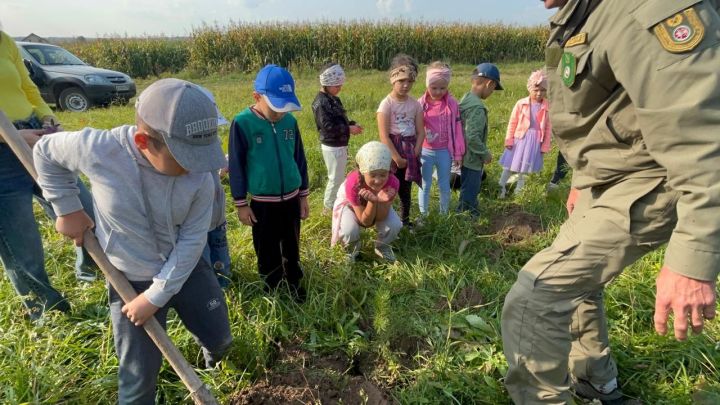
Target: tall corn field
[[138, 57], [366, 45]]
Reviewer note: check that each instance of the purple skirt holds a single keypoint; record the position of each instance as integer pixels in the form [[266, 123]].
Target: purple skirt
[[525, 156]]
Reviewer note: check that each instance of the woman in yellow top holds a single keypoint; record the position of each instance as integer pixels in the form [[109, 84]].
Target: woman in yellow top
[[21, 249]]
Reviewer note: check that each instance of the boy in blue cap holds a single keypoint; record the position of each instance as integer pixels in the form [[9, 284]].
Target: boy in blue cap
[[267, 161], [473, 113]]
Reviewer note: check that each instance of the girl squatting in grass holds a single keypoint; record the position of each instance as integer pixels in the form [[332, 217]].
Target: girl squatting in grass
[[401, 128], [364, 200], [528, 134], [334, 129], [444, 144]]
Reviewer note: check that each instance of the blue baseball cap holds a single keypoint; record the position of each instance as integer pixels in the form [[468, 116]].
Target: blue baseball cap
[[277, 87], [490, 71]]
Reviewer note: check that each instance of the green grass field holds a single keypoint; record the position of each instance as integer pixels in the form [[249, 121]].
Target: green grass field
[[424, 330]]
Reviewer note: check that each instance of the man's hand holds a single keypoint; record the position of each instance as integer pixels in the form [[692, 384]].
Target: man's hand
[[386, 195], [368, 195], [246, 215], [31, 136], [50, 125], [488, 159], [572, 198], [139, 310], [683, 296], [304, 208], [74, 225]]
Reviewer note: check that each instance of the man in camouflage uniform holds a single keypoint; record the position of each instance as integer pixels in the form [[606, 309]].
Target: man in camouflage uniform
[[635, 106]]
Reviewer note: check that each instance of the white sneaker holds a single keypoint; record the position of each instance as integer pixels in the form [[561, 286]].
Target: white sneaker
[[385, 252]]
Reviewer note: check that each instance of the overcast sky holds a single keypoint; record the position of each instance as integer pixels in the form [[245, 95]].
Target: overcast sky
[[90, 18]]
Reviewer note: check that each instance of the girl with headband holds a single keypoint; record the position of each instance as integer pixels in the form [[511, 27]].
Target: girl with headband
[[444, 143], [528, 134], [401, 128], [335, 129]]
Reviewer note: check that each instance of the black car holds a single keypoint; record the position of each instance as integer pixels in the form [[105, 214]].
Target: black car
[[70, 83]]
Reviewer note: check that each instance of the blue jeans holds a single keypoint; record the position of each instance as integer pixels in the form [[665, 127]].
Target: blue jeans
[[469, 190], [21, 249], [216, 254], [84, 265], [439, 159]]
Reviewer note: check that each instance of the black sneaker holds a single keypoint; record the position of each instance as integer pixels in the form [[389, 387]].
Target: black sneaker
[[584, 389]]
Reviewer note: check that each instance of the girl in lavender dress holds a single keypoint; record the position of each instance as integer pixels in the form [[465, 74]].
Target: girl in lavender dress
[[528, 134]]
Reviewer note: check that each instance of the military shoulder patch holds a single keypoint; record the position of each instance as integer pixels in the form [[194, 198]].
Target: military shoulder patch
[[681, 32], [576, 40], [568, 68]]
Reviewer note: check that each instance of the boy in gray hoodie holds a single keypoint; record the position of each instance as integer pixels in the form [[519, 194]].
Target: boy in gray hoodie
[[153, 195]]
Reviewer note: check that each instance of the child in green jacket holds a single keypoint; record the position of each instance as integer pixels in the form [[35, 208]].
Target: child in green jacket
[[267, 161]]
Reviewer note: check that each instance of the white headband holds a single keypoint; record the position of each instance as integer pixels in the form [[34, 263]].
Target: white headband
[[332, 76]]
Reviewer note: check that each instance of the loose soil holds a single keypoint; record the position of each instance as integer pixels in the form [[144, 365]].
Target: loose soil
[[468, 297], [515, 225], [298, 377]]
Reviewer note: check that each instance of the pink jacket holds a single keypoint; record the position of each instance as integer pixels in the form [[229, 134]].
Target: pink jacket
[[520, 122], [456, 140]]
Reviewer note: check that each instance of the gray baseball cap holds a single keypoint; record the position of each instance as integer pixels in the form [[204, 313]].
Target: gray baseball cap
[[187, 120]]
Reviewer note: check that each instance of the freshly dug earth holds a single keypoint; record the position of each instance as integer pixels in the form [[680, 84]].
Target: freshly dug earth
[[515, 225], [299, 378]]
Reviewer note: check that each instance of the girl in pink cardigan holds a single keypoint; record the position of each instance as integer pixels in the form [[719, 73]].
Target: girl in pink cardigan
[[528, 134], [444, 143]]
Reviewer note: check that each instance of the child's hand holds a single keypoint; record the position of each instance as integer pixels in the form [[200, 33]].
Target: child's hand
[[246, 215], [304, 208], [139, 310], [386, 195], [74, 225], [418, 150], [356, 129], [31, 136], [368, 195], [401, 162]]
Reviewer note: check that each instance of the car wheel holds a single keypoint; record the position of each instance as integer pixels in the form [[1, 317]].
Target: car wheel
[[74, 99]]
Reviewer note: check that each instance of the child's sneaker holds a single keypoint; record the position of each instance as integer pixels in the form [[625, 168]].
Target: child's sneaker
[[503, 193], [86, 274], [385, 252]]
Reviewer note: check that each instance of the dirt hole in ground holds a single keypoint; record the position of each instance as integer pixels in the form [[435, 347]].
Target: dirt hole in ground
[[467, 297], [515, 225], [298, 377], [407, 348]]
